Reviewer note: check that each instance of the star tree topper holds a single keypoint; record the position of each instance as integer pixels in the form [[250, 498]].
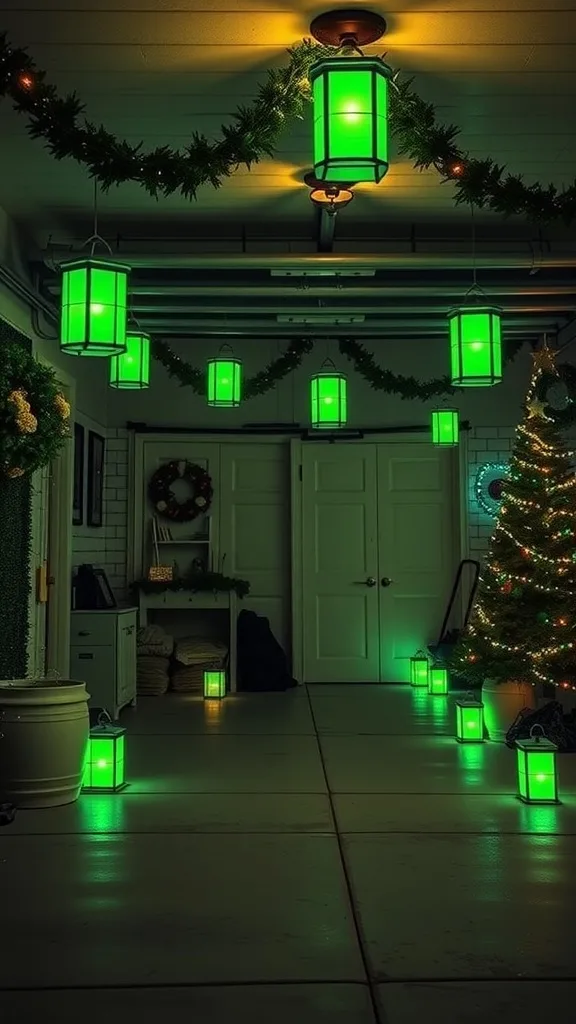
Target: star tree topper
[[545, 360]]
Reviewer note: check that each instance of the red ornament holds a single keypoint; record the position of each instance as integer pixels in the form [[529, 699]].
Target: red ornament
[[26, 81], [506, 587]]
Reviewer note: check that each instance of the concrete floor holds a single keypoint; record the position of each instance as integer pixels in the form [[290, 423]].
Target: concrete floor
[[326, 856]]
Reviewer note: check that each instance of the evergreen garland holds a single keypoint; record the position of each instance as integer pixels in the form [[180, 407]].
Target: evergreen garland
[[197, 582], [255, 132]]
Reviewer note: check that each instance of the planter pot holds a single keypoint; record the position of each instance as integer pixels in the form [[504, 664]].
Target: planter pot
[[44, 725], [502, 702]]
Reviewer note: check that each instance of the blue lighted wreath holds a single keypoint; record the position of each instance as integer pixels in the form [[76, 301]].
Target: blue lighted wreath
[[490, 480]]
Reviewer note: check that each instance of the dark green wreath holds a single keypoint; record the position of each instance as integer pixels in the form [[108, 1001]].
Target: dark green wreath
[[34, 415], [566, 374], [166, 503], [255, 133]]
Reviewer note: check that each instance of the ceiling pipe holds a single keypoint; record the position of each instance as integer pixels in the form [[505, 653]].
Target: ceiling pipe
[[384, 329], [511, 308]]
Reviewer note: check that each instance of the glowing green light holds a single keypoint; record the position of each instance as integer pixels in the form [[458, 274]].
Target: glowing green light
[[419, 669], [328, 398], [224, 381], [475, 346], [93, 314], [438, 681], [104, 769], [537, 771], [469, 721], [130, 371], [350, 97], [214, 684], [445, 428]]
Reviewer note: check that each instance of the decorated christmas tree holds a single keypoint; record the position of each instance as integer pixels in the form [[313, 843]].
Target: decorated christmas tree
[[523, 624]]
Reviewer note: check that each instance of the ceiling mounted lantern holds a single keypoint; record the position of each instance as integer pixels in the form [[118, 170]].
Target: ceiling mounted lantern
[[224, 380], [475, 346], [350, 97], [328, 398], [94, 300], [445, 428], [130, 371], [329, 197]]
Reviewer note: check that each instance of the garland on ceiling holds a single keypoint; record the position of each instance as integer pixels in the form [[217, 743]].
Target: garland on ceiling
[[255, 132]]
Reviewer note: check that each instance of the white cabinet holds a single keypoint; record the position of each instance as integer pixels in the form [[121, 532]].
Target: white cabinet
[[103, 655]]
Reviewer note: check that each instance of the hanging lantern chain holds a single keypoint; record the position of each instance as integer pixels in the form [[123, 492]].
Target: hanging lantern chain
[[96, 237]]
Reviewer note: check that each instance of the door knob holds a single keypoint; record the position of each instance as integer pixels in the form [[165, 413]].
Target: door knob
[[369, 582], [386, 581]]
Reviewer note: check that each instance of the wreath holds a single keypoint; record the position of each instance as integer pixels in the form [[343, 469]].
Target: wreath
[[34, 415], [563, 412], [165, 501]]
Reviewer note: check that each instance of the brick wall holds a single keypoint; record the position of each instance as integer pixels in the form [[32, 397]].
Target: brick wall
[[485, 445]]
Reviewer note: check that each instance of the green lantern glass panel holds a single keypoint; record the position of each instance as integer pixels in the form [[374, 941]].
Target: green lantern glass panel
[[469, 721], [475, 346], [419, 669], [445, 428], [93, 314], [224, 382], [104, 769], [350, 96], [438, 681], [328, 399], [214, 684], [537, 771], [130, 371]]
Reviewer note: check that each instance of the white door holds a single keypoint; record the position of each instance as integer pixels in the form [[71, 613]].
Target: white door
[[340, 592], [418, 543]]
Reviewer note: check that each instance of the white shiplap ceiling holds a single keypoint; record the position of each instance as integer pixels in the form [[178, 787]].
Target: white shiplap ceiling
[[504, 70]]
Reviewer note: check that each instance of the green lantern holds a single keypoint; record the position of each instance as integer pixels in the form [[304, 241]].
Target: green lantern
[[328, 398], [93, 316], [445, 428], [438, 681], [537, 770], [469, 720], [104, 770], [419, 668], [475, 346], [350, 96], [131, 369], [224, 379], [214, 684]]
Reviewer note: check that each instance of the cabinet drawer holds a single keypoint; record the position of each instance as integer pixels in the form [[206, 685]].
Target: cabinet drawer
[[92, 630]]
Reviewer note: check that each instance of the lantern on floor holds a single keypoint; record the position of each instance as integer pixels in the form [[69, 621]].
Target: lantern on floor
[[130, 371], [475, 346], [419, 668], [445, 428], [93, 314], [224, 379], [104, 771], [537, 769], [214, 684], [469, 720], [328, 398], [438, 681]]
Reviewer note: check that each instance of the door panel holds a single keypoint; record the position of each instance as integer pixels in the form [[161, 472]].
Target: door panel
[[339, 553], [418, 546]]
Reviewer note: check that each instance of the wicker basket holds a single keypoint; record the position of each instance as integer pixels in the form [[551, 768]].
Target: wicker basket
[[190, 678]]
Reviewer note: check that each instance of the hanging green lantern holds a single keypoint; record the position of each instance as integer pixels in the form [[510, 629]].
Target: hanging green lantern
[[224, 379], [130, 371], [328, 398], [475, 346], [445, 428], [350, 96], [93, 316]]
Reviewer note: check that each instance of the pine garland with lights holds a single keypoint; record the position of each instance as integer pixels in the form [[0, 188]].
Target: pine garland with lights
[[523, 624], [255, 133]]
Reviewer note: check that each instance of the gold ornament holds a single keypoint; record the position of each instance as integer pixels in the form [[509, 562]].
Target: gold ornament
[[26, 421], [62, 406], [14, 472], [536, 410], [18, 398], [545, 360]]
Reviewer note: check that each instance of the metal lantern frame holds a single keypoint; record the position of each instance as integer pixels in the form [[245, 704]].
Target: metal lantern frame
[[475, 346], [328, 398], [350, 101], [130, 371], [438, 681], [419, 669], [445, 425], [537, 768], [214, 684], [105, 767], [469, 720], [93, 320], [224, 380]]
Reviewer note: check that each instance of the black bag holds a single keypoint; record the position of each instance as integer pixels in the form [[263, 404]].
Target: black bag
[[261, 663], [558, 727]]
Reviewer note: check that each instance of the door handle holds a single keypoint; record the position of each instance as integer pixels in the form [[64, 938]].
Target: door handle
[[386, 581], [369, 582]]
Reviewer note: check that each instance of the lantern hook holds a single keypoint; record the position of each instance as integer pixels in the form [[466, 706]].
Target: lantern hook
[[534, 735], [348, 29]]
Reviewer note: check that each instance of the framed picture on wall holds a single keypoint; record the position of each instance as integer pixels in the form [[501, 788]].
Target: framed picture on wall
[[78, 495], [95, 489]]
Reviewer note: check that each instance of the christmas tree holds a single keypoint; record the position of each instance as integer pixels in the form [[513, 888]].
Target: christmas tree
[[523, 624]]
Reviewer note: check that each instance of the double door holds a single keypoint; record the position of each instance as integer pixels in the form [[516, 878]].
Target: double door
[[380, 545]]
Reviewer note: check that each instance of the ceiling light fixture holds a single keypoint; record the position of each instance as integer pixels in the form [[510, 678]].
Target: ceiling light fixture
[[329, 197], [350, 96]]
